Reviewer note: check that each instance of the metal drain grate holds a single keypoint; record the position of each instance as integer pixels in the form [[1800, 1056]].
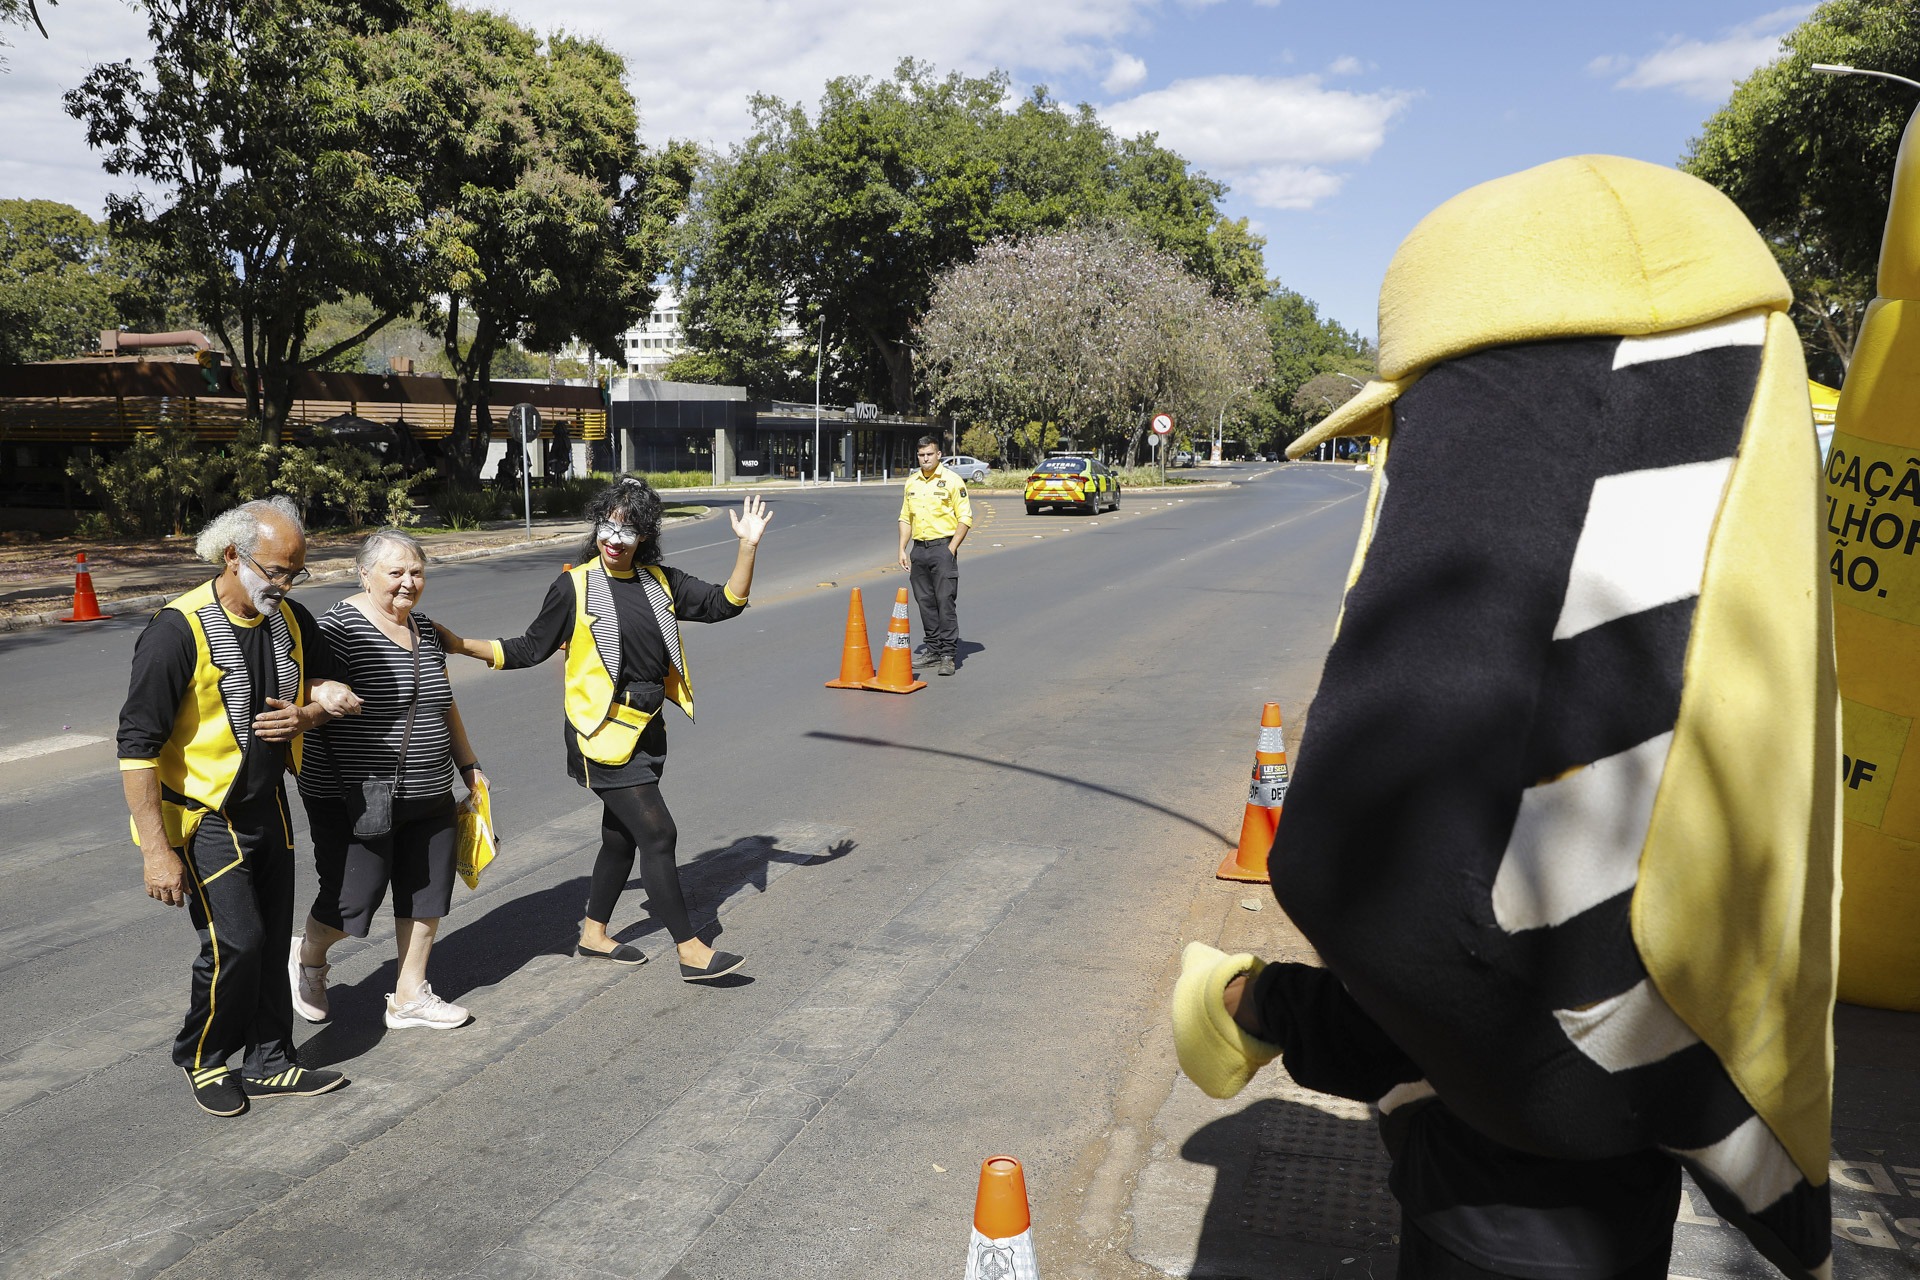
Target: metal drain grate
[[1319, 1179]]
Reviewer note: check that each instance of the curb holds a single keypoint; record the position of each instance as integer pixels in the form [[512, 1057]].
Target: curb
[[153, 600]]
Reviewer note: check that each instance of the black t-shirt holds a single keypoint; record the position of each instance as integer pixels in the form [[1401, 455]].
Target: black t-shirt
[[644, 661], [163, 663]]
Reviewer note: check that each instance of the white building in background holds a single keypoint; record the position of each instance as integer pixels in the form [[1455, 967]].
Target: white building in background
[[658, 338]]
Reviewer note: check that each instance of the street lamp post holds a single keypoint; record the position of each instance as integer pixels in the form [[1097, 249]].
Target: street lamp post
[[819, 356], [1357, 384], [1840, 69], [1220, 423]]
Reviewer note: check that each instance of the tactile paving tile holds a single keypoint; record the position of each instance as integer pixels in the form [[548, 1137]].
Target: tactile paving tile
[[1319, 1179]]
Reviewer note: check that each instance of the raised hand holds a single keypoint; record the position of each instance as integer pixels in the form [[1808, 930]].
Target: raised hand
[[751, 521]]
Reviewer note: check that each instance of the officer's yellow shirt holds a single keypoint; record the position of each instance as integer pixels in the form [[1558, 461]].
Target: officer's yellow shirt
[[934, 507]]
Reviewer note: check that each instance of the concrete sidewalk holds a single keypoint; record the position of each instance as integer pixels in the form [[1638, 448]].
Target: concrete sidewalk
[[1282, 1183]]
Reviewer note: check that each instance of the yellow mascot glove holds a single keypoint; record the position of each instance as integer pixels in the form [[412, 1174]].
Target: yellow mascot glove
[[1214, 1051]]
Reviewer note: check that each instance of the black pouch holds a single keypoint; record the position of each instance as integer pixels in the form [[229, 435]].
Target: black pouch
[[371, 808]]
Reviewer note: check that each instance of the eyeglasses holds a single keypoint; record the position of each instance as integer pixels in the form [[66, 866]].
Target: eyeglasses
[[607, 531], [285, 577]]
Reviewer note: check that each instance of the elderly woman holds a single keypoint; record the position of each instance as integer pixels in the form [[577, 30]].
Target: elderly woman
[[618, 615], [408, 732]]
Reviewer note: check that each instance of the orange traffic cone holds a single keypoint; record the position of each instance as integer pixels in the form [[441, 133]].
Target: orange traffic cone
[[856, 660], [86, 605], [1265, 794], [896, 661], [1002, 1245]]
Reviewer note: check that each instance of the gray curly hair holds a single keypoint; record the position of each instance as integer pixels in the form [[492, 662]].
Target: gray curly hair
[[381, 542], [241, 528]]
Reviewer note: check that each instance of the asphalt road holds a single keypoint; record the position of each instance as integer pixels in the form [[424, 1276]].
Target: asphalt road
[[960, 910]]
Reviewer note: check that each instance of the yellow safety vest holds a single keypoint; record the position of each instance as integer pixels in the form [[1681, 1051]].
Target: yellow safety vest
[[609, 730], [214, 723]]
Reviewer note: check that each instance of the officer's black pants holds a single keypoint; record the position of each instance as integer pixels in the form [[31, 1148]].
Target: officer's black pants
[[936, 585], [240, 896]]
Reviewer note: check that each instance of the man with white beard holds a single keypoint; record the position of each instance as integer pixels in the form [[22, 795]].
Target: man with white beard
[[225, 679]]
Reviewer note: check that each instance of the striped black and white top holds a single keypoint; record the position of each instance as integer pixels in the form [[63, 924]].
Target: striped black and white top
[[368, 745]]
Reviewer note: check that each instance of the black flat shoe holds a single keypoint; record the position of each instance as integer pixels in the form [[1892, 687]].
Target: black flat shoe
[[722, 963], [217, 1091], [621, 954]]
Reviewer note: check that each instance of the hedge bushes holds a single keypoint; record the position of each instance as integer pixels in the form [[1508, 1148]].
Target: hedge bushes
[[166, 482]]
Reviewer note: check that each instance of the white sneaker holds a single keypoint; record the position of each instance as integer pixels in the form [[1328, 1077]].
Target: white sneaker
[[427, 1011], [309, 984]]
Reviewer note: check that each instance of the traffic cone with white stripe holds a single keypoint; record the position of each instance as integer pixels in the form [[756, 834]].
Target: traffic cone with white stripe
[[896, 661], [1265, 794], [86, 605], [856, 659], [1002, 1245]]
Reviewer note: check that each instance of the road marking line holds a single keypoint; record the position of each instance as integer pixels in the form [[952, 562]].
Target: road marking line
[[750, 1109], [47, 746]]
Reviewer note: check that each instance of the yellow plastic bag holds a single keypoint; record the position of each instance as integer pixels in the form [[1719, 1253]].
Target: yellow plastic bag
[[474, 834]]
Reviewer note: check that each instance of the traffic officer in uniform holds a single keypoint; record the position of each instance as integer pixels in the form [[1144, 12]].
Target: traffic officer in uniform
[[935, 518], [217, 700]]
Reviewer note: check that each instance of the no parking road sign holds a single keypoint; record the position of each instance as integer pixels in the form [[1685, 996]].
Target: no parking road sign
[[1162, 423]]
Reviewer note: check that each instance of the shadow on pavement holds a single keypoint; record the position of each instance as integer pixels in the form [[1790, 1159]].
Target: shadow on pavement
[[1175, 814], [1298, 1194], [492, 948]]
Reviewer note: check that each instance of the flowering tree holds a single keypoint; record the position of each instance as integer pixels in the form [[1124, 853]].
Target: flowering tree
[[1089, 330]]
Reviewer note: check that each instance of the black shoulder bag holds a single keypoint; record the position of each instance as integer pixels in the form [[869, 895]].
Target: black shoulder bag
[[371, 806]]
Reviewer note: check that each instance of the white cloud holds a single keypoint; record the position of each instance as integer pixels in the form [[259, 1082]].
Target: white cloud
[[1707, 69], [1281, 141], [46, 156], [1286, 142], [1128, 72], [1345, 65], [693, 66]]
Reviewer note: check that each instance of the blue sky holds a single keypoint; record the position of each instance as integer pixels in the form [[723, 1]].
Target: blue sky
[[1338, 125]]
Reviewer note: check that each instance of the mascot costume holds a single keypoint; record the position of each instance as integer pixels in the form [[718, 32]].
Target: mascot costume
[[1578, 917], [1873, 531]]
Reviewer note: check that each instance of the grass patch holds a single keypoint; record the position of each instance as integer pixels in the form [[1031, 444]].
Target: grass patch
[[467, 509]]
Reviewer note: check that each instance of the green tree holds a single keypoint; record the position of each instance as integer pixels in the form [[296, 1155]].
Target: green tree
[[253, 121], [1809, 158], [63, 280], [1304, 346], [547, 216], [852, 213]]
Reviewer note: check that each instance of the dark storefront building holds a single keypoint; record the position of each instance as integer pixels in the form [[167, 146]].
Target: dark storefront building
[[666, 426]]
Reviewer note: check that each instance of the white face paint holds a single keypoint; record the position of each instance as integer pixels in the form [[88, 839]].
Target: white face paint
[[617, 540], [262, 594]]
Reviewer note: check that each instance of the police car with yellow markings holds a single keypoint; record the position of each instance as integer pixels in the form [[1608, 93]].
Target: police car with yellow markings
[[1072, 481]]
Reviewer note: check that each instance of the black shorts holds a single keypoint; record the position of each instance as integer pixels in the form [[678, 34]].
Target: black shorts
[[416, 858]]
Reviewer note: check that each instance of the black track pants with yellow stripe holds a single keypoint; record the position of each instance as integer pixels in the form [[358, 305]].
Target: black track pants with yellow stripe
[[240, 895]]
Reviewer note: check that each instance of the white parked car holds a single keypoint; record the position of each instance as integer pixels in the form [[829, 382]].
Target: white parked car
[[972, 470]]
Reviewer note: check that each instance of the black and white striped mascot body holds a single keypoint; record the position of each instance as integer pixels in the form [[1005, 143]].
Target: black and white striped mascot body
[[1563, 819]]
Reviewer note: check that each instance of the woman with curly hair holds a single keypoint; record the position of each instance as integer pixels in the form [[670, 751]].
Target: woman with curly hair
[[618, 615]]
